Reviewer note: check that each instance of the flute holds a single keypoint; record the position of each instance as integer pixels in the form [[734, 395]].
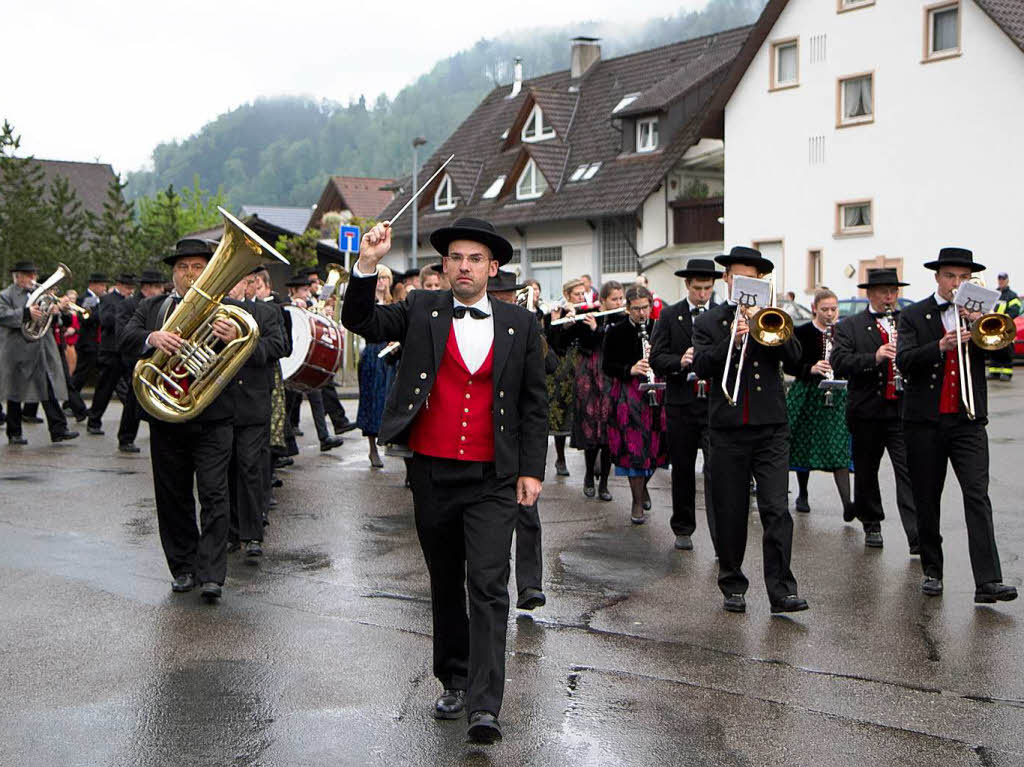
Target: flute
[[577, 317]]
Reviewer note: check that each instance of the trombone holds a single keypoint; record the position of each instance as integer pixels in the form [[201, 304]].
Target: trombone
[[991, 332], [769, 326]]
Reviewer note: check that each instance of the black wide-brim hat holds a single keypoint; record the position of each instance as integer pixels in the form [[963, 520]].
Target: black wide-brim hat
[[126, 278], [97, 277], [700, 268], [24, 266], [955, 257], [476, 230], [438, 267], [151, 277], [503, 281], [191, 246], [883, 278], [749, 256], [297, 281]]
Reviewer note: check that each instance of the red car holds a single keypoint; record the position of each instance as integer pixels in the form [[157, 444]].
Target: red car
[[1018, 344]]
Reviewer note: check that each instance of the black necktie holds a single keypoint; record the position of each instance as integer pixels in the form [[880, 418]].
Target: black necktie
[[476, 314]]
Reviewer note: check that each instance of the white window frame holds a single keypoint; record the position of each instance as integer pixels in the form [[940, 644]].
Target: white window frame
[[653, 133], [494, 188], [842, 6], [930, 11], [444, 199], [776, 84], [842, 121], [578, 173], [535, 190], [592, 171], [841, 230], [543, 131], [626, 100]]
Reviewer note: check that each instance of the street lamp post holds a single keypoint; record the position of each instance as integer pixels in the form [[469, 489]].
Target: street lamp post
[[416, 144]]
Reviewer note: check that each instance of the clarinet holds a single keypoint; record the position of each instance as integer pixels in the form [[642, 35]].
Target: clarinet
[[651, 386], [702, 384], [829, 375], [897, 376]]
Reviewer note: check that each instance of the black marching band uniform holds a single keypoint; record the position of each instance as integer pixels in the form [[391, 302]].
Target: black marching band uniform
[[750, 438], [872, 410], [936, 423], [465, 509], [112, 369], [88, 344], [686, 405]]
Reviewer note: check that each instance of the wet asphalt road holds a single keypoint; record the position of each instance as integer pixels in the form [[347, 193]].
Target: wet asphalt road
[[321, 654]]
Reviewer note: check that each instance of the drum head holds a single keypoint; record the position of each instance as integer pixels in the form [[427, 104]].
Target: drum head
[[302, 338]]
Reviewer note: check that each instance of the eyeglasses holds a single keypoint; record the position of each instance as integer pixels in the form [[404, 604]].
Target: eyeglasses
[[474, 259]]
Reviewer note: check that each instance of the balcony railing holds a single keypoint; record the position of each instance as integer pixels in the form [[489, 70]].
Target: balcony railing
[[697, 220]]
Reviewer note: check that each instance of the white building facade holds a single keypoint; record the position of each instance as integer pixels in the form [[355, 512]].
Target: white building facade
[[871, 133]]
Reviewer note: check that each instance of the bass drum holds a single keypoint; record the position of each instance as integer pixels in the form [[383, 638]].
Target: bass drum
[[317, 351]]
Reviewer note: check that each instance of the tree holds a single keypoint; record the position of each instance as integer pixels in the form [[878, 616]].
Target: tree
[[114, 242], [69, 227], [24, 221], [169, 216], [300, 250]]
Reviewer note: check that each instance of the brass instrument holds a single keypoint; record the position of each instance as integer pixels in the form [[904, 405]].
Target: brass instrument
[[336, 275], [830, 383], [768, 326], [81, 311], [526, 299], [897, 376], [991, 332], [178, 387], [651, 386], [41, 297]]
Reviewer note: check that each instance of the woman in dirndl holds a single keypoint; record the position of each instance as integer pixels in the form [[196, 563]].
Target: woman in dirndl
[[592, 396], [376, 374], [819, 439], [637, 436], [561, 384]]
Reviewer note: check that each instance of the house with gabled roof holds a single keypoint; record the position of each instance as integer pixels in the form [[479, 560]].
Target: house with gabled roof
[[351, 196], [865, 133], [90, 180], [606, 168]]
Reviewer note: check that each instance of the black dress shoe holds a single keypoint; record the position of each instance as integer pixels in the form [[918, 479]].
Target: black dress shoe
[[994, 591], [450, 705], [603, 494], [560, 469], [97, 430], [588, 489], [79, 417], [484, 728], [234, 546], [345, 427], [684, 543], [183, 582], [873, 539], [330, 443], [790, 604], [735, 603], [932, 587], [31, 419], [17, 439], [801, 504], [849, 512], [128, 447], [254, 550], [531, 598], [281, 463], [210, 591], [63, 436]]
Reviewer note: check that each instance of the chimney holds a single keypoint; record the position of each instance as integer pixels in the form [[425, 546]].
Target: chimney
[[586, 51], [517, 82]]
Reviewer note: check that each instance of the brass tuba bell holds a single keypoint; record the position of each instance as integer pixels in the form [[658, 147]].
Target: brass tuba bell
[[34, 330], [176, 388]]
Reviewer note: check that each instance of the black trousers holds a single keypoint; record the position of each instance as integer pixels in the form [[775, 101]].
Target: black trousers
[[84, 367], [964, 445], [293, 401], [112, 370], [736, 455], [181, 453], [131, 414], [333, 407], [871, 438], [465, 516], [529, 561], [74, 402], [687, 434], [56, 423], [247, 483]]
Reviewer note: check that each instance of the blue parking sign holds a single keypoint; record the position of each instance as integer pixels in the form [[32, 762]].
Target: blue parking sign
[[348, 239]]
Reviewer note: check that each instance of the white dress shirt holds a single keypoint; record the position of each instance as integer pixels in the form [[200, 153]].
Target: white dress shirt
[[950, 316]]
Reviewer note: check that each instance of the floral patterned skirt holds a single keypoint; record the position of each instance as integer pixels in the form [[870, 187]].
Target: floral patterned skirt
[[637, 432], [277, 410], [818, 435], [561, 385], [592, 403]]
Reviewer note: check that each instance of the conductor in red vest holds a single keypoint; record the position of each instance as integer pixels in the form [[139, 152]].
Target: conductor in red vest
[[470, 401]]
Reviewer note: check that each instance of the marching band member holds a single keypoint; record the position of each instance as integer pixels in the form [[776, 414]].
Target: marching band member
[[936, 423], [376, 374], [636, 431], [112, 370], [151, 283], [88, 344], [562, 341], [748, 438], [277, 448], [592, 397], [817, 419], [479, 448], [30, 371], [198, 450], [864, 353], [686, 402]]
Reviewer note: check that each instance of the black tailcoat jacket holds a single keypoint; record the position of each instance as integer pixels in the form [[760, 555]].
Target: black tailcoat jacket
[[254, 381], [672, 336], [110, 303], [422, 322], [149, 316], [856, 340], [622, 349], [922, 364], [761, 381]]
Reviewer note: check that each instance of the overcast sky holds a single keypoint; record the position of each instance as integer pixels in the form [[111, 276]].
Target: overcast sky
[[108, 80]]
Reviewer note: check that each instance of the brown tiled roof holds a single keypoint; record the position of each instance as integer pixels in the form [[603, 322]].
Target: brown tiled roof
[[1008, 15], [360, 194], [89, 179], [585, 133]]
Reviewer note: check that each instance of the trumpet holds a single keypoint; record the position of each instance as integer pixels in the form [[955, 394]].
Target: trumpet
[[990, 332], [768, 326]]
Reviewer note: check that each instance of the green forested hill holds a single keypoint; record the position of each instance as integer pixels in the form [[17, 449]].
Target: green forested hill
[[281, 151]]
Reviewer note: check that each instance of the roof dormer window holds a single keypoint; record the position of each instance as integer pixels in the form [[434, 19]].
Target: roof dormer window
[[444, 198], [628, 99], [534, 129], [585, 172], [494, 188], [647, 135], [531, 183]]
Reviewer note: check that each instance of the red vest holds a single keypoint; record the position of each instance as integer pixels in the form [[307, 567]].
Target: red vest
[[457, 420], [890, 369], [949, 399]]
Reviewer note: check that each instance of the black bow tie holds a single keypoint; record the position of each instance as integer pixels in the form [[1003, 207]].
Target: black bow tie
[[943, 307], [697, 311], [476, 314]]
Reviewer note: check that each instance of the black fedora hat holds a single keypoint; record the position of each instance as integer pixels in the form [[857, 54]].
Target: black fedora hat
[[126, 278], [476, 230], [438, 267], [955, 257], [151, 277], [503, 281], [24, 266], [701, 268], [749, 256], [297, 281], [883, 277], [97, 277], [191, 246]]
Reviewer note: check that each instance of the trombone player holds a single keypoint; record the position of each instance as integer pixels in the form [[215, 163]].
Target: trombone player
[[749, 434], [944, 418]]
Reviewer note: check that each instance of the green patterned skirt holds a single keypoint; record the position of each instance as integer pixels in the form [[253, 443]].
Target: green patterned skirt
[[561, 385], [819, 438], [277, 409]]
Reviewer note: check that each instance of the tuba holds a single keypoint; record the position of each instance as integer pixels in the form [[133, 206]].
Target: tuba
[[178, 387], [337, 276], [34, 330]]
